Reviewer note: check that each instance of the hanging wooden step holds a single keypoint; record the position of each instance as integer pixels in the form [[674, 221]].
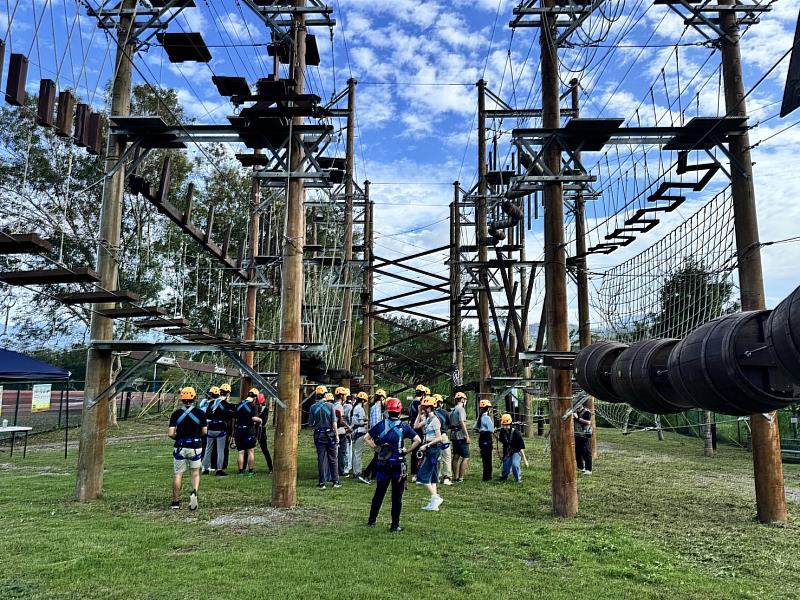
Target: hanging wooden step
[[81, 115], [17, 75], [133, 311], [50, 276], [159, 323], [231, 86], [47, 103], [2, 57], [64, 114], [98, 297], [23, 243], [189, 331], [94, 134], [184, 47]]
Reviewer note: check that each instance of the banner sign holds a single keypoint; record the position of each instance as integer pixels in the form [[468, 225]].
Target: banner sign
[[41, 397]]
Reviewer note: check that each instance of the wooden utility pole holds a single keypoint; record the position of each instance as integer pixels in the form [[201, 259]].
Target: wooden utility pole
[[582, 277], [367, 373], [347, 295], [456, 343], [252, 289], [94, 424], [481, 241], [767, 466], [284, 477], [562, 443]]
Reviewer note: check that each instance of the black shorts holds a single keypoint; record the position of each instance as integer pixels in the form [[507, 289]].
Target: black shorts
[[460, 448], [245, 438]]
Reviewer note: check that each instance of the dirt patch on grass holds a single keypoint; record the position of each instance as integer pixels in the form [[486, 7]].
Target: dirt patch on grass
[[32, 471], [262, 518]]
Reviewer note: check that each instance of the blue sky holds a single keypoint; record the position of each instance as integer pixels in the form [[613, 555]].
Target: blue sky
[[417, 62]]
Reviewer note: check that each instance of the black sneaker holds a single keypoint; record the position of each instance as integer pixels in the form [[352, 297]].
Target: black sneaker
[[321, 486], [371, 524], [175, 505], [397, 529], [205, 471], [220, 473], [337, 485]]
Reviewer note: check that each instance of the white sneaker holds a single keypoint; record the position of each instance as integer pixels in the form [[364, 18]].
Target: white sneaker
[[413, 479], [193, 501], [587, 472], [436, 502], [447, 481]]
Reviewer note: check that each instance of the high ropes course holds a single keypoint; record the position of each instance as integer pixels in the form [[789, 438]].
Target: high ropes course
[[247, 233]]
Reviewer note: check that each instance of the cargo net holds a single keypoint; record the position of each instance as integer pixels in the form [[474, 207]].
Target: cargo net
[[675, 285]]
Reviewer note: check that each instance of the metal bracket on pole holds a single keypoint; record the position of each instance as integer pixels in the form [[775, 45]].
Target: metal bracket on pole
[[254, 375]]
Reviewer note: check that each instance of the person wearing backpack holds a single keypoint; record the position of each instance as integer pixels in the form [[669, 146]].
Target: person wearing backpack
[[375, 417], [428, 473], [446, 458], [513, 445], [322, 419], [485, 427], [459, 436], [187, 426], [245, 432], [387, 438], [582, 419]]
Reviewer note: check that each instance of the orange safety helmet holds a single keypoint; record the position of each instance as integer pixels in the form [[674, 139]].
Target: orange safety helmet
[[188, 393], [320, 389], [362, 396], [460, 396], [484, 404], [380, 392], [505, 419], [428, 401], [340, 391]]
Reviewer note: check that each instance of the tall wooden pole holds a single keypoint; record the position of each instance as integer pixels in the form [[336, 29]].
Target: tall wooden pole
[[581, 275], [347, 295], [367, 372], [767, 466], [284, 476], [482, 240], [456, 343], [562, 443], [94, 424], [252, 290]]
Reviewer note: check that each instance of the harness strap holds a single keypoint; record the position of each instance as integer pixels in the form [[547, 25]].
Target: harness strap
[[187, 412]]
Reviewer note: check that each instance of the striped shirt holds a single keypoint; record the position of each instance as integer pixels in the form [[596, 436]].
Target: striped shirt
[[375, 415]]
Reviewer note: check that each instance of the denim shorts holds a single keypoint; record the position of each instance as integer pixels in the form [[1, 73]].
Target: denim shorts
[[460, 448], [429, 469]]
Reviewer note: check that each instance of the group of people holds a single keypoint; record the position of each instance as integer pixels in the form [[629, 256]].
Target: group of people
[[439, 449], [203, 434]]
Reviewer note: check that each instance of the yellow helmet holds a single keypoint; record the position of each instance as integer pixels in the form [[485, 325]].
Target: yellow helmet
[[339, 391], [347, 391], [362, 395], [320, 389], [421, 388], [188, 393], [253, 391], [460, 396], [213, 390], [485, 404], [225, 387], [328, 397], [380, 392], [438, 398], [428, 401], [505, 419]]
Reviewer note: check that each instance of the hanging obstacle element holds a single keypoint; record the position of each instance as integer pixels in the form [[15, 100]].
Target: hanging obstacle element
[[50, 276], [737, 364], [17, 75], [184, 47], [47, 103], [98, 297], [64, 114], [23, 243]]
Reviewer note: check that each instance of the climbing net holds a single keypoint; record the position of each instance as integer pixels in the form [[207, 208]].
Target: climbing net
[[675, 285]]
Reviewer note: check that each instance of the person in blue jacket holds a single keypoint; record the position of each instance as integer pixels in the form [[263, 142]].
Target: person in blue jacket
[[387, 438]]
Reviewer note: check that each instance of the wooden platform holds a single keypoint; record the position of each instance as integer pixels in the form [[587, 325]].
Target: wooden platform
[[98, 297], [157, 323], [23, 243], [133, 311], [50, 276]]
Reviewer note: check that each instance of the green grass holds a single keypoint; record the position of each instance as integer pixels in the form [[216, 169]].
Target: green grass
[[657, 520]]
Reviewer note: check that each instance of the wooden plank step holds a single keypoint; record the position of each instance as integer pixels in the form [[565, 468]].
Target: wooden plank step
[[157, 323], [133, 311], [49, 276], [188, 331], [23, 243], [98, 297]]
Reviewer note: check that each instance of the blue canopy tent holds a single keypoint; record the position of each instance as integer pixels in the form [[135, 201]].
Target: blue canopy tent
[[16, 367]]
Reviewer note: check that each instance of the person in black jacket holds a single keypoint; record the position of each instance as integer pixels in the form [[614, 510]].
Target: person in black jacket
[[261, 430], [246, 420], [513, 445], [218, 412]]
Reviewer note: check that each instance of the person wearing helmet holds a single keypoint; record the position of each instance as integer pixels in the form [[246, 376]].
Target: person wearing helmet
[[428, 473], [187, 426], [218, 413], [485, 427], [246, 420], [420, 392], [459, 436], [446, 458], [341, 409], [358, 423], [387, 439], [582, 421], [375, 417], [322, 419], [225, 392], [513, 445]]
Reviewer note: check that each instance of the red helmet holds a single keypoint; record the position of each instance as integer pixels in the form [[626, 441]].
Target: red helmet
[[394, 405]]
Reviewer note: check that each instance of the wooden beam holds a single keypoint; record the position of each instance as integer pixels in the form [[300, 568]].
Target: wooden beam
[[50, 276], [97, 297]]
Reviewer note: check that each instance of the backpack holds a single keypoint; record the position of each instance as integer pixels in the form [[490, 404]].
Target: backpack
[[454, 419]]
